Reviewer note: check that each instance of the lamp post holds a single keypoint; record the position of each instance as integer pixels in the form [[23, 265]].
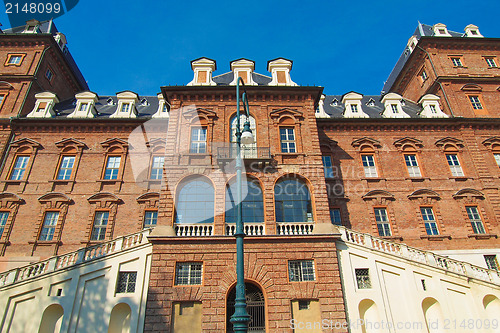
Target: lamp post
[[240, 318]]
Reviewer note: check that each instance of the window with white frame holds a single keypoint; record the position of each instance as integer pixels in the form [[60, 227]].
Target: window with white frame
[[188, 273], [99, 227], [125, 107], [383, 225], [475, 102], [363, 278], [112, 167], [454, 164], [491, 62], [335, 216], [475, 220], [287, 138], [457, 62], [3, 221], [126, 282], [327, 166], [49, 226], [369, 165], [431, 227], [20, 165], [491, 262], [150, 218], [412, 165], [84, 107], [198, 140], [157, 167], [66, 167], [301, 270]]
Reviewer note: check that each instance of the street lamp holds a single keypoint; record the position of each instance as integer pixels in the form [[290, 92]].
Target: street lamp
[[240, 318]]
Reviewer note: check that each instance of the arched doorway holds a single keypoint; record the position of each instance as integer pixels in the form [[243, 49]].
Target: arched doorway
[[255, 308]]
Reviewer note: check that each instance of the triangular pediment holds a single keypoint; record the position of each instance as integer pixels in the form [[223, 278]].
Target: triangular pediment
[[408, 141], [70, 142], [366, 141], [190, 113], [114, 142], [442, 143], [26, 142], [286, 111]]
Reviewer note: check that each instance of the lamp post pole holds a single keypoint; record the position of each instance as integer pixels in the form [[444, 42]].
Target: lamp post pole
[[240, 318]]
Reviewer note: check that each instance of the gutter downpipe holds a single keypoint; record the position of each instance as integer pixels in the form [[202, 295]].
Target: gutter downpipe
[[437, 80]]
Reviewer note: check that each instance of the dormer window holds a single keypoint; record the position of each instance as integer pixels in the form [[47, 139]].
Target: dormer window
[[41, 107], [441, 30], [472, 31], [491, 62], [109, 101], [354, 108], [44, 106], [280, 71], [84, 107], [457, 61], [433, 108], [125, 107], [394, 108], [203, 68], [144, 102], [335, 102], [430, 107], [371, 102]]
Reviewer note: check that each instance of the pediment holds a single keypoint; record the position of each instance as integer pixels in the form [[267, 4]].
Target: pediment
[[468, 193], [150, 198], [442, 143], [104, 197], [424, 193], [7, 197], [26, 142], [70, 142], [378, 194], [190, 113], [408, 141], [366, 141], [286, 111], [471, 87], [492, 142], [114, 142], [54, 197]]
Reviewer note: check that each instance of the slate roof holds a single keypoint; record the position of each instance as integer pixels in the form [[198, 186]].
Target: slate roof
[[226, 78], [64, 108], [410, 108], [420, 31], [48, 27]]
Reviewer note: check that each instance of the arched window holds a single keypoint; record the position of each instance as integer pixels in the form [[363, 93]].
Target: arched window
[[119, 320], [51, 319], [253, 205], [249, 150], [195, 202], [292, 201]]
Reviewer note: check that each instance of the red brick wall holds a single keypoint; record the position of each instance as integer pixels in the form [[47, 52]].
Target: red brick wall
[[266, 265]]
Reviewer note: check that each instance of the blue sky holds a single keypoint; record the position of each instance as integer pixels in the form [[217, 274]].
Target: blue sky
[[340, 45]]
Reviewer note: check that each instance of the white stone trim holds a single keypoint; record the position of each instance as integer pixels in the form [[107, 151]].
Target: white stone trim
[[160, 113], [393, 99], [280, 65], [126, 97], [430, 107], [353, 98], [44, 97], [81, 98]]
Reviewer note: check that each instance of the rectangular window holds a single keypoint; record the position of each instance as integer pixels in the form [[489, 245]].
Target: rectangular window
[[126, 282], [41, 107], [49, 226], [327, 166], [369, 165], [2, 98], [150, 218], [394, 108], [198, 141], [335, 216], [363, 278], [157, 167], [304, 304], [491, 62], [287, 137], [383, 225], [125, 107], [476, 103], [19, 169], [423, 75], [497, 158], [3, 221], [188, 273], [433, 108], [454, 164], [14, 59], [491, 262], [99, 227], [301, 270], [49, 75], [66, 167], [354, 108], [429, 220], [112, 167], [475, 220], [457, 62], [412, 165], [84, 107]]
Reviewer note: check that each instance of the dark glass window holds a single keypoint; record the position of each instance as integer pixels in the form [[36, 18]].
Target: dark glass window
[[126, 282], [195, 202], [292, 201], [253, 205]]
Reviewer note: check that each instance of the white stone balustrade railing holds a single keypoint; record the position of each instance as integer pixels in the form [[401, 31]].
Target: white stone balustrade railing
[[251, 229], [424, 257], [73, 258], [194, 230], [294, 228]]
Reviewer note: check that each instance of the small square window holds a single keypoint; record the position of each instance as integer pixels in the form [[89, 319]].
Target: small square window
[[304, 304], [150, 218], [354, 108], [49, 75], [394, 108], [19, 168], [301, 270], [457, 62], [49, 226], [126, 282], [188, 273], [491, 62], [363, 278], [84, 107], [433, 108], [491, 262]]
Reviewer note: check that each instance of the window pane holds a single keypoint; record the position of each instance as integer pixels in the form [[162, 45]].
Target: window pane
[[252, 203], [126, 282], [292, 201], [3, 221], [195, 203], [454, 164], [429, 220], [335, 216], [198, 140], [99, 228], [327, 166], [188, 273], [112, 167], [287, 137], [475, 220], [157, 167], [19, 167], [301, 270], [382, 220], [412, 165], [150, 218], [369, 166], [49, 226], [66, 167]]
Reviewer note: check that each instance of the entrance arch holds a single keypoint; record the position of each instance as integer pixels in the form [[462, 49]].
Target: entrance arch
[[255, 308]]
